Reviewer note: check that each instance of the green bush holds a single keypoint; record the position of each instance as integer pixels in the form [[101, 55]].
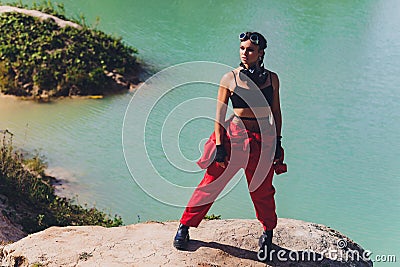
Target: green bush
[[6, 78], [39, 56], [212, 217], [30, 192]]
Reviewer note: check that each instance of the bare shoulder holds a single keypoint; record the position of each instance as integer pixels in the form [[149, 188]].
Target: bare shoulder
[[230, 74], [228, 79], [275, 79], [274, 75]]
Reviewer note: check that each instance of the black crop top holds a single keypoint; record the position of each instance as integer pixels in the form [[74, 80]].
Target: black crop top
[[245, 98]]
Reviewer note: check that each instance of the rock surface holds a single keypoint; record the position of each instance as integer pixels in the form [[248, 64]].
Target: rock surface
[[213, 243], [42, 16], [8, 231]]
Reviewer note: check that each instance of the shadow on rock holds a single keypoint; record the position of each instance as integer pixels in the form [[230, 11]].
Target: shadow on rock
[[285, 257]]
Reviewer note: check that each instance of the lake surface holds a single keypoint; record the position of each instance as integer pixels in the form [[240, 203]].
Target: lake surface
[[338, 64]]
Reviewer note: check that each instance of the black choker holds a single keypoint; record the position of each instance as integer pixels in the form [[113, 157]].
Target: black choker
[[258, 76]]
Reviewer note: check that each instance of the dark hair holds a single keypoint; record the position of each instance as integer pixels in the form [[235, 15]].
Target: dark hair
[[262, 42]]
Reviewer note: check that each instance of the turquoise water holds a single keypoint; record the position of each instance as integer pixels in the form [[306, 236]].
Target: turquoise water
[[338, 63]]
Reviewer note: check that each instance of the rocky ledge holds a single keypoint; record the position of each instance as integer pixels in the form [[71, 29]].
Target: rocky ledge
[[213, 243]]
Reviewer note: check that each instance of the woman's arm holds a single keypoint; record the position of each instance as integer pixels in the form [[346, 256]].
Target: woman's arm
[[222, 104], [276, 105]]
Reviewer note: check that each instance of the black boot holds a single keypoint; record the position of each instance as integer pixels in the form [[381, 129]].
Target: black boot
[[182, 237], [265, 243]]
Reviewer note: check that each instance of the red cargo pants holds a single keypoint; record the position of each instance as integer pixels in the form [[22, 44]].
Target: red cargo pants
[[251, 151]]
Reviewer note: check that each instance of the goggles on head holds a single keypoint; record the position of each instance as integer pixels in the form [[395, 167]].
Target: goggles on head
[[253, 37]]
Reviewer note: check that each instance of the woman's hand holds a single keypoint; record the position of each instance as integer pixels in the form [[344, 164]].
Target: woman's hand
[[220, 155], [221, 164]]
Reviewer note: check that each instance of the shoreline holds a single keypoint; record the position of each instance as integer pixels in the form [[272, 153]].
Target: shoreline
[[52, 99], [32, 198]]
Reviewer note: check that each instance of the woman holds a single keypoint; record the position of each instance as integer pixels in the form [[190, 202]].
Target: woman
[[252, 136]]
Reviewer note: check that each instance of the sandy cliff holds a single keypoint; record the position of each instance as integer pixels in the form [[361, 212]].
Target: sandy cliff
[[213, 243], [8, 231]]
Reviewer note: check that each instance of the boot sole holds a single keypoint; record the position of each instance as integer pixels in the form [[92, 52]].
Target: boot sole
[[263, 254], [181, 245]]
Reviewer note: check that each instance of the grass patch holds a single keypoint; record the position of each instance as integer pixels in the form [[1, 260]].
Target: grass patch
[[31, 195], [212, 217]]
